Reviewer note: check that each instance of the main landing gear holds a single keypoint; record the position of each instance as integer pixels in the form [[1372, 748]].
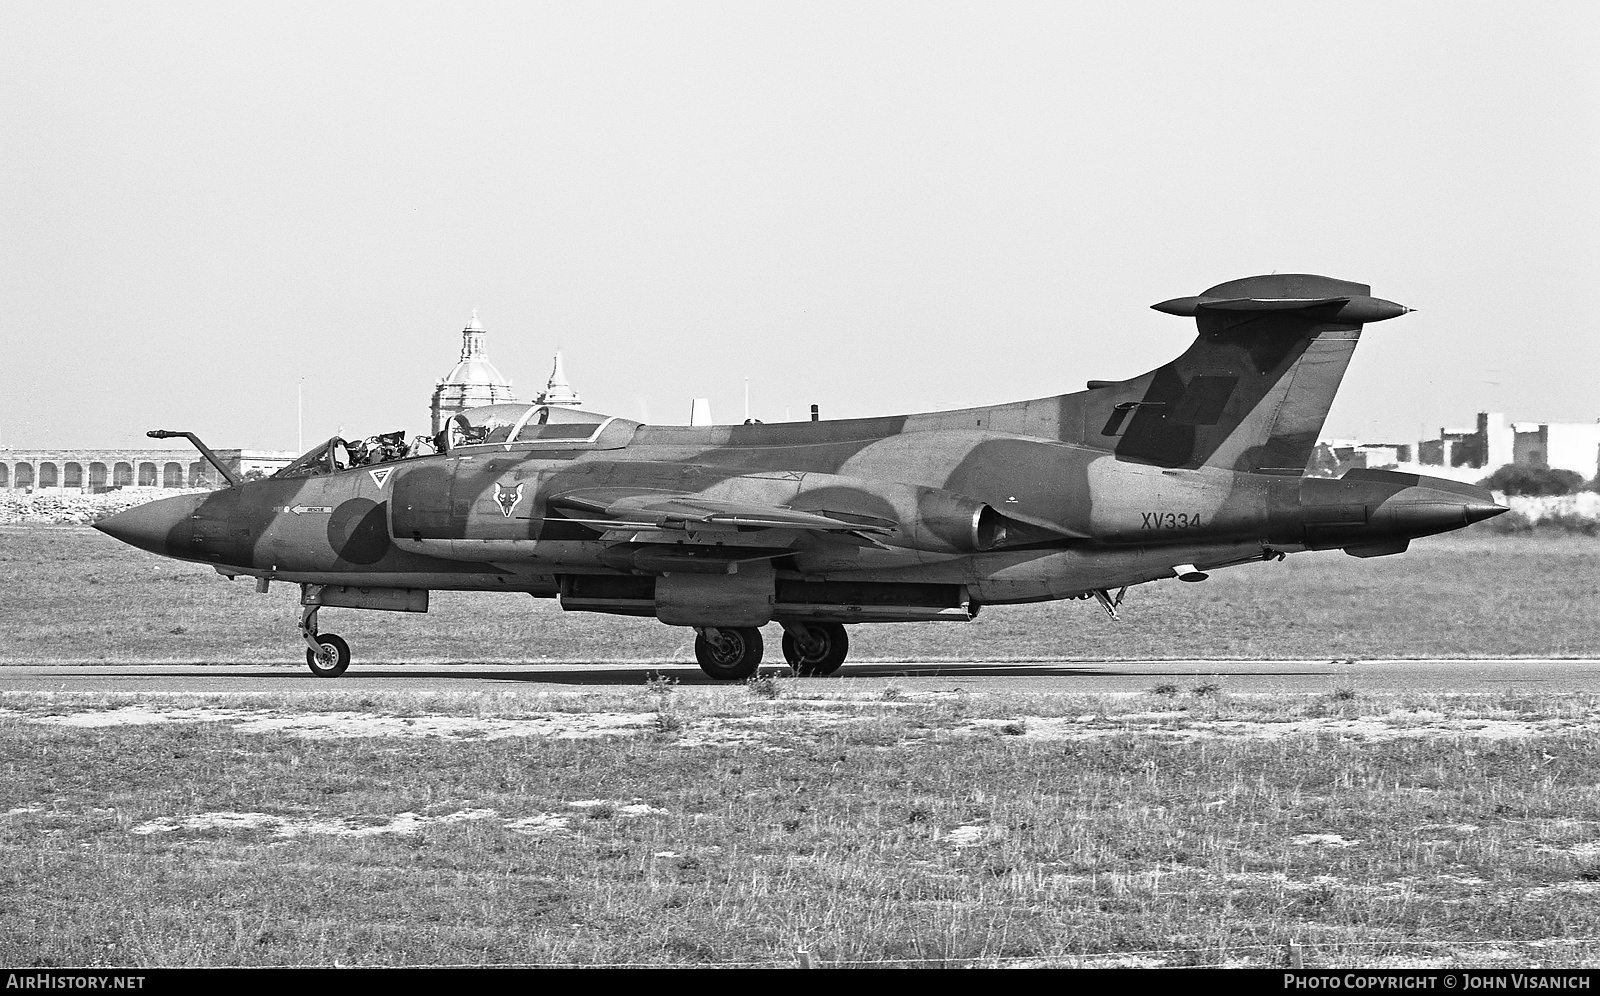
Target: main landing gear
[[327, 655], [815, 648], [729, 653]]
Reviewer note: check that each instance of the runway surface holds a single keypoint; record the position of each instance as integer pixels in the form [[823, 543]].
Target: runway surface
[[1420, 676]]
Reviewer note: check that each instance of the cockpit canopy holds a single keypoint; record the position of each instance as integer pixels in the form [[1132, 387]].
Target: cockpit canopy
[[520, 424], [491, 424], [328, 458], [339, 454]]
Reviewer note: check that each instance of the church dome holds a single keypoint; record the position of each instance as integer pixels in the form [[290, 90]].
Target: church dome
[[472, 382], [478, 372]]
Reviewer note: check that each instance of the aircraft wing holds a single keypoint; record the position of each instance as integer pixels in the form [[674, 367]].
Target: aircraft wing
[[639, 508]]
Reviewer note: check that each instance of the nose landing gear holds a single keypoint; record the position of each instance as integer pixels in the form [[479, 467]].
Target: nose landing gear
[[327, 655]]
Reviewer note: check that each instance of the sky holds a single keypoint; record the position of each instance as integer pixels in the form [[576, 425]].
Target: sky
[[209, 210]]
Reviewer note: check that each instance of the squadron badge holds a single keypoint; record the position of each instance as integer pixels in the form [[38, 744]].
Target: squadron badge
[[507, 498], [379, 476]]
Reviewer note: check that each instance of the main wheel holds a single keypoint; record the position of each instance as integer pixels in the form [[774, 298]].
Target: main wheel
[[829, 647], [735, 659], [331, 657]]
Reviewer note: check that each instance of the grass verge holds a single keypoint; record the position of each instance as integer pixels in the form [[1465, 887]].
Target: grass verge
[[730, 825]]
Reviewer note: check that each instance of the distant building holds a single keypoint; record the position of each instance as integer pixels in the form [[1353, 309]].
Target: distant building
[[1379, 455], [1573, 446], [107, 468], [1486, 446], [1570, 446], [1335, 456], [472, 383]]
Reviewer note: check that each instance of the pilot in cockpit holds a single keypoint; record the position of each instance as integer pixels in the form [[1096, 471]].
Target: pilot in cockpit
[[459, 431]]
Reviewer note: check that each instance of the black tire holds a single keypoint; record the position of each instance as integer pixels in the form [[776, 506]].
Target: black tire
[[738, 658], [835, 646], [335, 656]]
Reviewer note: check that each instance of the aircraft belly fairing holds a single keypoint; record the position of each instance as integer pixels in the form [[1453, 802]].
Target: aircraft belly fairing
[[1182, 470]]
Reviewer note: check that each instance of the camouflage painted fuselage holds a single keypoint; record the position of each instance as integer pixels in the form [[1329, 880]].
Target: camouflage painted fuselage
[[1197, 463]]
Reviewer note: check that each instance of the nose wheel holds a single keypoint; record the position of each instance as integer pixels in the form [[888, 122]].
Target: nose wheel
[[728, 654], [814, 649], [327, 655], [330, 658]]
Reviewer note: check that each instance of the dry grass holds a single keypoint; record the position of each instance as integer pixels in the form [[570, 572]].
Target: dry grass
[[731, 825], [72, 593]]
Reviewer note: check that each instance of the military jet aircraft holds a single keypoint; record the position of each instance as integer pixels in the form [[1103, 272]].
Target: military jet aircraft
[[818, 525]]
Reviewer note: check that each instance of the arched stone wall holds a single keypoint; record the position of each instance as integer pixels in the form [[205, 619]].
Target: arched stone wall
[[158, 468]]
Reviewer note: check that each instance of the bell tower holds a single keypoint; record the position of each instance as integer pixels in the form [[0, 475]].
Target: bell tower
[[558, 391]]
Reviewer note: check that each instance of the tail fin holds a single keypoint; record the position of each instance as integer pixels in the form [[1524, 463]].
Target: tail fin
[[1253, 390]]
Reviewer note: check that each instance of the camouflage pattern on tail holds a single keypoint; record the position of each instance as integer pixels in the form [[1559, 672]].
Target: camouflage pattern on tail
[[1252, 392]]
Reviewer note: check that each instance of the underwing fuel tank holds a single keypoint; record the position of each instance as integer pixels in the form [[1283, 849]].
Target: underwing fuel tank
[[1372, 513]]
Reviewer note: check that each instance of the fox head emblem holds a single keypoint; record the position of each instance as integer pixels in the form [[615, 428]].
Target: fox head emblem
[[507, 498]]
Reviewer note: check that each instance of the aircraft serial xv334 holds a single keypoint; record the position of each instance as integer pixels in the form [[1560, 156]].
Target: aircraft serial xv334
[[814, 525]]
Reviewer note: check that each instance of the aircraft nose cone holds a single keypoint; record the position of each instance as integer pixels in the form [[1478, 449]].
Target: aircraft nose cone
[[159, 526]]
